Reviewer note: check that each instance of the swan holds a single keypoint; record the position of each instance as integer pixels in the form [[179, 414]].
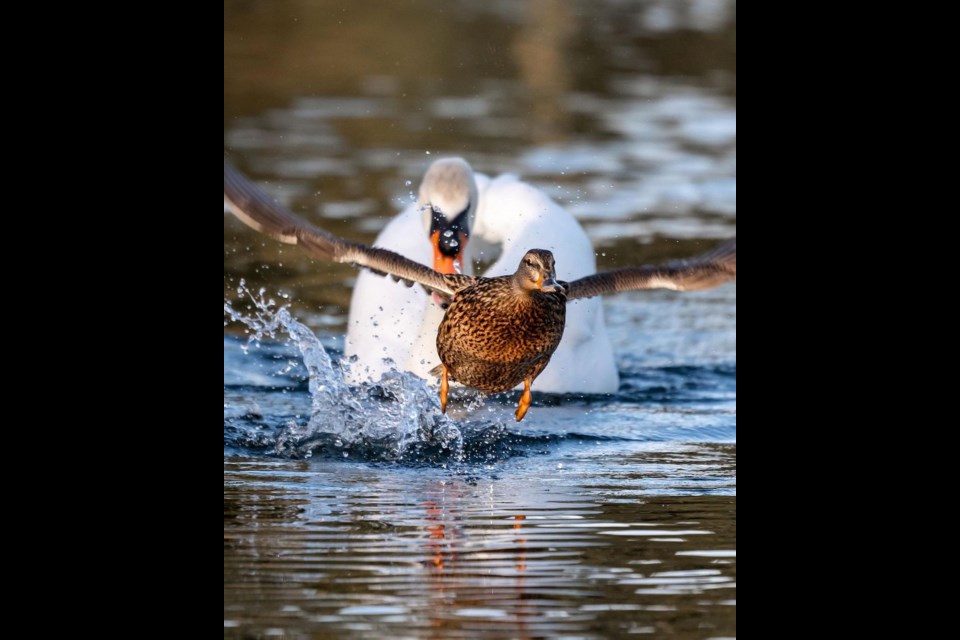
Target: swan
[[459, 218]]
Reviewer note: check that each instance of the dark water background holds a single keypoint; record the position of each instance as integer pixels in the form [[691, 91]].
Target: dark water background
[[362, 512]]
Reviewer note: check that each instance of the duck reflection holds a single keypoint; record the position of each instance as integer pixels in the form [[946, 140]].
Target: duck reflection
[[477, 574]]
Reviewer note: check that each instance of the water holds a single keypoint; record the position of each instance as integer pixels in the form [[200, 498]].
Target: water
[[364, 511]]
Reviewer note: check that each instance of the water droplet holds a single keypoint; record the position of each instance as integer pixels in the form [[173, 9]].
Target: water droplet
[[408, 183]]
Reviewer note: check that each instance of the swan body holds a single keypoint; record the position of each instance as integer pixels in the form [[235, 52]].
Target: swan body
[[396, 327]]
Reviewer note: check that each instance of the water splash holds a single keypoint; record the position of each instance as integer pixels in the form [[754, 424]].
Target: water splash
[[396, 418]]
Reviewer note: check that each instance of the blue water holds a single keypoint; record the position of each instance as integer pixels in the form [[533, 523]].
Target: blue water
[[285, 394]]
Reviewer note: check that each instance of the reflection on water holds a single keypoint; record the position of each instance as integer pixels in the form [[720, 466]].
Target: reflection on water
[[327, 548], [598, 516]]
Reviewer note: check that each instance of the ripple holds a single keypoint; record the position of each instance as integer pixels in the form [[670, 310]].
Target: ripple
[[710, 553]]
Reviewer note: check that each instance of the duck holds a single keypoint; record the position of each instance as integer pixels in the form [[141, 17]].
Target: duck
[[499, 332], [458, 219], [496, 332]]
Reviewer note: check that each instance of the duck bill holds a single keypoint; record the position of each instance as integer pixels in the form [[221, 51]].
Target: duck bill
[[549, 285]]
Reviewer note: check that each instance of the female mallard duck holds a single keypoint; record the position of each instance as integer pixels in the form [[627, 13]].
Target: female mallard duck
[[499, 332], [496, 332]]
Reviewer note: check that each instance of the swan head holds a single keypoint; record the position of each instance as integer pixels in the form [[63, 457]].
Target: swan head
[[448, 202], [537, 272]]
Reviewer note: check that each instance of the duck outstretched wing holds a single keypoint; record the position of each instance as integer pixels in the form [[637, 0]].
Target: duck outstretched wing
[[702, 272], [255, 208]]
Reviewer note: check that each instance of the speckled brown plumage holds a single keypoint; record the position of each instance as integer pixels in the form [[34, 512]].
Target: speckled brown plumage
[[499, 332], [493, 337]]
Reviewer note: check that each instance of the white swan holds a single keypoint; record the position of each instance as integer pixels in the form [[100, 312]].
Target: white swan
[[461, 217]]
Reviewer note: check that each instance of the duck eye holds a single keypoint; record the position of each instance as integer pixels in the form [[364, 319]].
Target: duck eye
[[528, 262]]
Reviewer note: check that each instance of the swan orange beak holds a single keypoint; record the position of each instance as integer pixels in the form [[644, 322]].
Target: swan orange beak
[[444, 263]]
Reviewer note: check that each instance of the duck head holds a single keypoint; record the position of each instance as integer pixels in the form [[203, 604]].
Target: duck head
[[537, 272], [448, 203]]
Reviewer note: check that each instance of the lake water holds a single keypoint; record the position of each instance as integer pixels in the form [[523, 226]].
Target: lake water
[[365, 512]]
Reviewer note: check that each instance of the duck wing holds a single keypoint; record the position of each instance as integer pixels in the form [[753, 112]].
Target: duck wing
[[702, 272], [256, 209]]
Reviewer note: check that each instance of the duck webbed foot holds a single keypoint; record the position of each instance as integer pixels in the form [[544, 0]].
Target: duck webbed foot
[[524, 403], [444, 388]]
